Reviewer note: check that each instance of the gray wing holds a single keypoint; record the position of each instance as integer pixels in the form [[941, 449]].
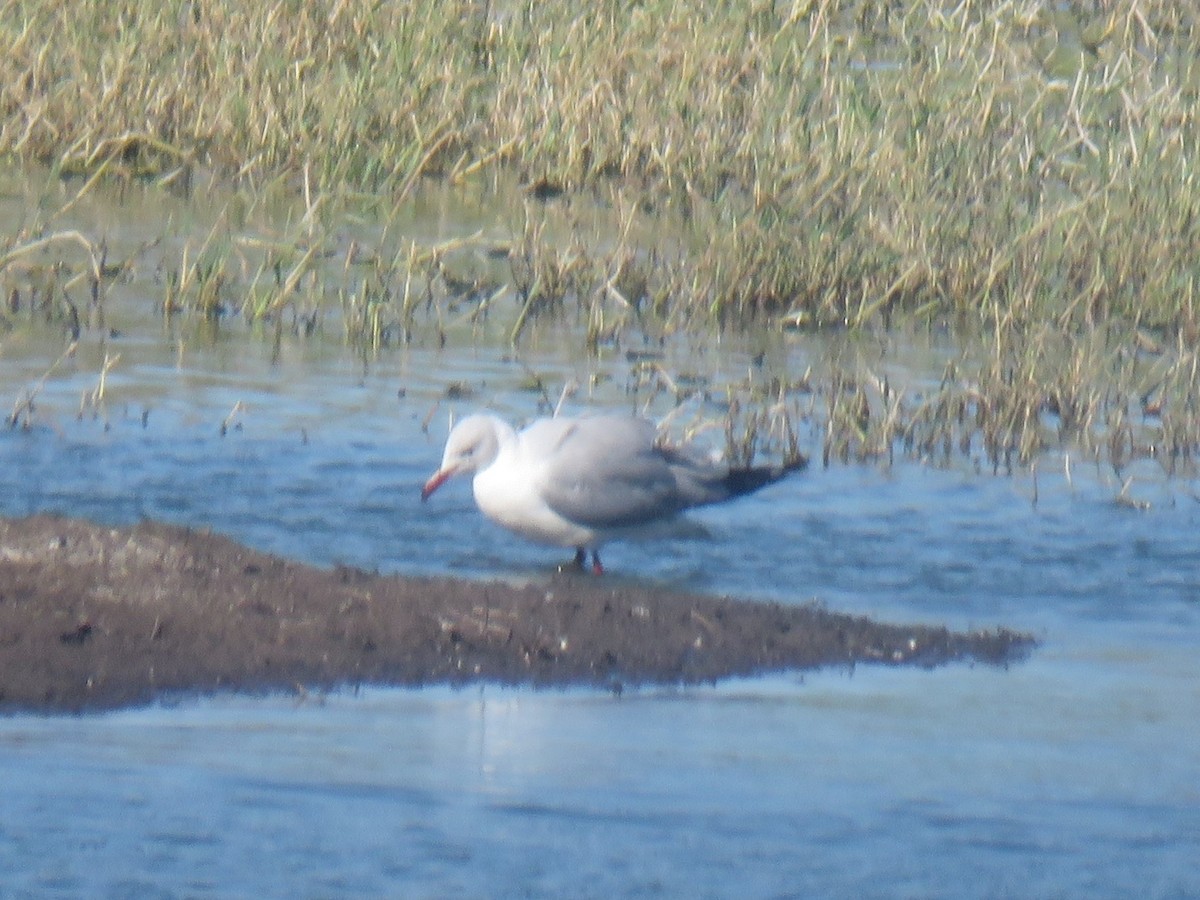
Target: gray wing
[[607, 472]]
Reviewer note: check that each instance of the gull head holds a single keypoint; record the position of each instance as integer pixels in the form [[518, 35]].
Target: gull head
[[472, 445]]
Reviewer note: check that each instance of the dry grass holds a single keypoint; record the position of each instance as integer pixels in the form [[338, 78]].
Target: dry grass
[[1023, 173], [832, 161]]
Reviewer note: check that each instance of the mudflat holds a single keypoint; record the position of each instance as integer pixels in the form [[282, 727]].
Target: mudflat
[[95, 617]]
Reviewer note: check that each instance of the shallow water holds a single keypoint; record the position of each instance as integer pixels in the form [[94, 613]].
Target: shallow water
[[1075, 772]]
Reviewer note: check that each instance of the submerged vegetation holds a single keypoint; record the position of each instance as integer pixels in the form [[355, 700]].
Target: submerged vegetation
[[1021, 175]]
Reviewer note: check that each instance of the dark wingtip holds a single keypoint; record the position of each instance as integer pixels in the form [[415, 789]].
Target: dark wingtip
[[750, 479]]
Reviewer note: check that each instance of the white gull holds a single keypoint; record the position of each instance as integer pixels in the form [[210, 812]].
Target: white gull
[[580, 482]]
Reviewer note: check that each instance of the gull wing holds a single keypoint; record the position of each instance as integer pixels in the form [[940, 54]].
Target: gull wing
[[604, 472]]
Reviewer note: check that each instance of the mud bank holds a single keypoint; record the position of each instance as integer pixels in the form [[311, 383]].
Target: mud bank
[[94, 617]]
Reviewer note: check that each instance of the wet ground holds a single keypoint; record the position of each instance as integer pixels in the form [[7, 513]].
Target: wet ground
[[93, 617]]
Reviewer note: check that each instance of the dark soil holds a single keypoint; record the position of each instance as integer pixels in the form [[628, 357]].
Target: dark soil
[[93, 617]]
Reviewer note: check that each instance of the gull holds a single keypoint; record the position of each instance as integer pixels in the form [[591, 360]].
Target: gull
[[580, 482]]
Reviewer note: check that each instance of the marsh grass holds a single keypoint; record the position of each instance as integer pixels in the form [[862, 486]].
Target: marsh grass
[[836, 161], [1117, 394], [1021, 173]]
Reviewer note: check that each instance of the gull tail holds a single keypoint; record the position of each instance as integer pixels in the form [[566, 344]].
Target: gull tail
[[747, 480]]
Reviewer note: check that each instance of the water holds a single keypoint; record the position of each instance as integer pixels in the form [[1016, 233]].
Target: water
[[1076, 772]]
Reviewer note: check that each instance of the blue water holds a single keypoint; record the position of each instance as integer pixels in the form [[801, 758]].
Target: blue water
[[1074, 773]]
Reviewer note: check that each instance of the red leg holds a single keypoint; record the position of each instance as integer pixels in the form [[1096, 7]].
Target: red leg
[[597, 566]]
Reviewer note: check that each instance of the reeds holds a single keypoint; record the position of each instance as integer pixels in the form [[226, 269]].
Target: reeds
[[1024, 172], [832, 161]]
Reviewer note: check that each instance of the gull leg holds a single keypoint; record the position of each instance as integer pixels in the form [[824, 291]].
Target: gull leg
[[578, 563]]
